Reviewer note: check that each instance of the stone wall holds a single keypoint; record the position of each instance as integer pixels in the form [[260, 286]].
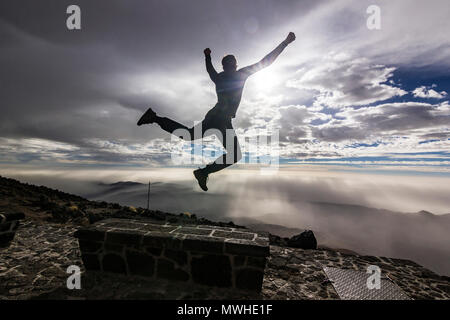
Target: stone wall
[[9, 222], [208, 255]]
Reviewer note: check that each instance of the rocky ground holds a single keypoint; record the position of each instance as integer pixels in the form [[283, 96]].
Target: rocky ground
[[34, 267]]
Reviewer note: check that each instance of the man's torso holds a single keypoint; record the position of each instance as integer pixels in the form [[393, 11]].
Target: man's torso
[[229, 88]]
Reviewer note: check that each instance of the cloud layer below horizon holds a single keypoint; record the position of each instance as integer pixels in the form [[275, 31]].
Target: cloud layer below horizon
[[345, 210]]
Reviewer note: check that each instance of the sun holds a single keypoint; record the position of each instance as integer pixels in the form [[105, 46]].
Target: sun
[[266, 80]]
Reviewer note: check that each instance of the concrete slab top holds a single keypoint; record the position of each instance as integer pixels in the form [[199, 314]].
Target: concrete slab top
[[202, 238]]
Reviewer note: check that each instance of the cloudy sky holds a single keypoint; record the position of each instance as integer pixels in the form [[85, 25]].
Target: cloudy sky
[[341, 94]]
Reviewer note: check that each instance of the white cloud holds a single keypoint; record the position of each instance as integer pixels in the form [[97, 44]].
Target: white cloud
[[427, 92], [344, 81], [378, 131]]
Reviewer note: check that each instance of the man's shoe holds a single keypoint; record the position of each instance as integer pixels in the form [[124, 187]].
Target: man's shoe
[[148, 117], [202, 178]]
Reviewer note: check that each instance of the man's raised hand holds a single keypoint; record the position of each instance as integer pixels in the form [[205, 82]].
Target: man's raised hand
[[207, 52], [290, 38]]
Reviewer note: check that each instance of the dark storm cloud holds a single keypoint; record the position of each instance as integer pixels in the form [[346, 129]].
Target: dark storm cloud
[[93, 83], [78, 87]]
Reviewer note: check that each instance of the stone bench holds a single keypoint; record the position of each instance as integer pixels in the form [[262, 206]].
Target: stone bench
[[207, 255], [9, 222]]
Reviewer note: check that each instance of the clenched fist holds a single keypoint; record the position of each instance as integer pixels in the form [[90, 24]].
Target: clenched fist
[[290, 38], [207, 51]]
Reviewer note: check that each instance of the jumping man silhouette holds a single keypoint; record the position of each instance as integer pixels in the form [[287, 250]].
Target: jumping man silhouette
[[229, 87]]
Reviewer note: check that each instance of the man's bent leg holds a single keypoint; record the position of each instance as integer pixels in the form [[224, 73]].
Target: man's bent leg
[[233, 155], [230, 142]]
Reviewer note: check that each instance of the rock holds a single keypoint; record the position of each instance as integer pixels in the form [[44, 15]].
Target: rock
[[277, 240], [304, 240]]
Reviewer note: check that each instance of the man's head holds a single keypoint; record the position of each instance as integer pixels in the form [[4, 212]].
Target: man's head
[[229, 63]]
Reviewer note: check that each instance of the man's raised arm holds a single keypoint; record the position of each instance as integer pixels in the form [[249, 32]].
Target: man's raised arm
[[270, 58], [209, 67]]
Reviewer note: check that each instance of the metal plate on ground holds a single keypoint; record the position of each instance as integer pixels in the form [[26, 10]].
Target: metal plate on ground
[[352, 285]]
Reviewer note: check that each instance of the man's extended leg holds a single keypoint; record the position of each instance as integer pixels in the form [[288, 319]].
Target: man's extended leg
[[171, 126]]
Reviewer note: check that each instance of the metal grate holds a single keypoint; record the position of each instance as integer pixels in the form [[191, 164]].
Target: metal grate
[[352, 285]]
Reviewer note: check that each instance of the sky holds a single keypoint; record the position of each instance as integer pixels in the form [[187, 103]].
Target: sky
[[341, 94]]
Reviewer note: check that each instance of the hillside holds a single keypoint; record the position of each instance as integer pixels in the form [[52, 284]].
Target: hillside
[[44, 204]]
